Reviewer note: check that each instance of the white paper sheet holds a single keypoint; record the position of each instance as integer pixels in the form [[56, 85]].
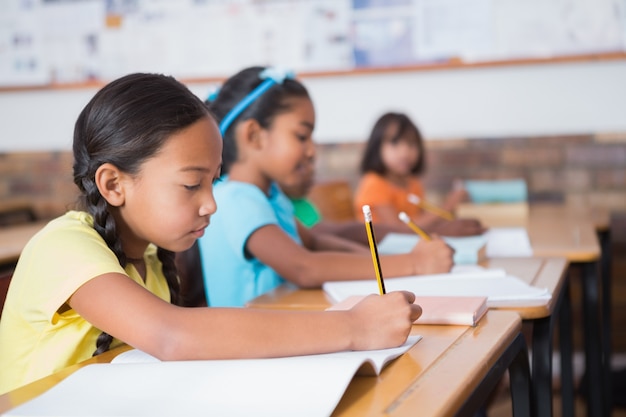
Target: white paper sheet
[[294, 386]]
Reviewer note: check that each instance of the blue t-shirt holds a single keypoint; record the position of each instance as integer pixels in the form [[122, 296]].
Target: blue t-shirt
[[232, 276]]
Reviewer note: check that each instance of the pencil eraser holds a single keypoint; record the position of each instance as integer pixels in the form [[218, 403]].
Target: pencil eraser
[[367, 213], [404, 217], [413, 199]]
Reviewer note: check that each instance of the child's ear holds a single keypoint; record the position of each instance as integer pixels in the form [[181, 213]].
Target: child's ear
[[109, 182], [250, 132]]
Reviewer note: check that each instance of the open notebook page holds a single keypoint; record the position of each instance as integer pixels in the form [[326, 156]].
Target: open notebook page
[[309, 385]]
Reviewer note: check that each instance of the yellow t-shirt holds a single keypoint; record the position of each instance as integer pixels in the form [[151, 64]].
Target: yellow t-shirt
[[36, 339], [376, 191]]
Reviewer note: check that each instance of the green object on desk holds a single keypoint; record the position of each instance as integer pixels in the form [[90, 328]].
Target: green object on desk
[[306, 212]]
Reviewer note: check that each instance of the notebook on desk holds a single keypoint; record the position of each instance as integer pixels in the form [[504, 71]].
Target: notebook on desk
[[501, 289], [310, 385], [497, 242]]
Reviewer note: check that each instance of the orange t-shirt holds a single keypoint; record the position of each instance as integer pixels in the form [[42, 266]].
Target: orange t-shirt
[[375, 190]]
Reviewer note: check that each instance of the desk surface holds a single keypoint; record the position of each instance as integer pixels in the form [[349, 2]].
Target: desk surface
[[420, 380], [554, 230], [560, 230], [14, 238], [547, 273]]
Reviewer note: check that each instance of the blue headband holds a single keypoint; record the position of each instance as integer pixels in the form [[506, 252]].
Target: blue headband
[[270, 76]]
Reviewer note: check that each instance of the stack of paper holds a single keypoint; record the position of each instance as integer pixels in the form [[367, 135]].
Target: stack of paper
[[501, 290], [508, 242]]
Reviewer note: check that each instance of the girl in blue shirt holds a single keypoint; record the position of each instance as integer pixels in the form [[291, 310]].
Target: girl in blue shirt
[[254, 243]]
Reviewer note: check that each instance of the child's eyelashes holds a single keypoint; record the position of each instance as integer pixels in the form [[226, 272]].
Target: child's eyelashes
[[218, 180], [192, 187]]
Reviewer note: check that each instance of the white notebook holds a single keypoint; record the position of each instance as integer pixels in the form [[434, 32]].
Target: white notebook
[[309, 385], [501, 290]]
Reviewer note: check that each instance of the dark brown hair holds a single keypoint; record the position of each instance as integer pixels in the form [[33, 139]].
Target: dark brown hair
[[372, 160], [264, 109], [124, 124]]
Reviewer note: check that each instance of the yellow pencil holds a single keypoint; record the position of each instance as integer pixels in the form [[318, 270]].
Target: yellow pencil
[[407, 220], [367, 213], [445, 214]]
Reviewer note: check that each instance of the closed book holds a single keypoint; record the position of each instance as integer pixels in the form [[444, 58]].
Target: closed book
[[438, 310]]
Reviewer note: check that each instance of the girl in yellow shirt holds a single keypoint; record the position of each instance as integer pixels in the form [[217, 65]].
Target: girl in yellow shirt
[[146, 154]]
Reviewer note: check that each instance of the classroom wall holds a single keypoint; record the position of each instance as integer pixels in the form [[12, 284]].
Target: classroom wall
[[560, 126], [578, 169], [540, 99]]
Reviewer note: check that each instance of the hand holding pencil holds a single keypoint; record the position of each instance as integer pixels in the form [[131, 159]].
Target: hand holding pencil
[[383, 321], [434, 253]]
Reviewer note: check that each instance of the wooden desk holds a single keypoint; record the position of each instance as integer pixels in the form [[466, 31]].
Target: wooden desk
[[559, 230], [549, 273], [571, 231], [14, 238], [451, 371]]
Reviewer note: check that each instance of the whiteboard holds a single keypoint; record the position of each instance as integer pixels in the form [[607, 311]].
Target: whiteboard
[[58, 42]]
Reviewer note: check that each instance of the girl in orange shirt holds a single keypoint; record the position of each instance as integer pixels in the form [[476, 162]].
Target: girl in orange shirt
[[392, 163]]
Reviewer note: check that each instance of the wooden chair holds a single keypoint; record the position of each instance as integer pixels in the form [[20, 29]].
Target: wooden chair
[[334, 200]]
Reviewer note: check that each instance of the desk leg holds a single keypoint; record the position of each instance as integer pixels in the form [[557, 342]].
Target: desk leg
[[542, 366], [515, 359], [605, 245], [519, 374], [566, 347], [593, 341]]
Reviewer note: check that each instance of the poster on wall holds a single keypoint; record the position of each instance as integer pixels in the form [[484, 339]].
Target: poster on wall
[[59, 42]]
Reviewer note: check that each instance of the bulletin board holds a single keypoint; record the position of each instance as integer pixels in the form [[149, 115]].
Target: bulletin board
[[69, 43]]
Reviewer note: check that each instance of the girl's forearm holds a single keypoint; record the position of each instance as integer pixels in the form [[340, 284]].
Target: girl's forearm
[[227, 333], [332, 266]]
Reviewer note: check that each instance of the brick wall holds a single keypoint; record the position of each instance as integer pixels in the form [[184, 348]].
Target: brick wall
[[578, 169], [574, 169], [40, 179]]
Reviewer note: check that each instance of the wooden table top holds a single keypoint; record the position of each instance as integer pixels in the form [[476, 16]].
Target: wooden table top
[[560, 230], [14, 238]]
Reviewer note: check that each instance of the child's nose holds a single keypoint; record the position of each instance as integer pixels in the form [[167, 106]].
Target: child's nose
[[209, 206], [310, 148]]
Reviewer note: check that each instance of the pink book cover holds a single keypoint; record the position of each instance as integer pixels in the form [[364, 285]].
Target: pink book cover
[[438, 310]]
